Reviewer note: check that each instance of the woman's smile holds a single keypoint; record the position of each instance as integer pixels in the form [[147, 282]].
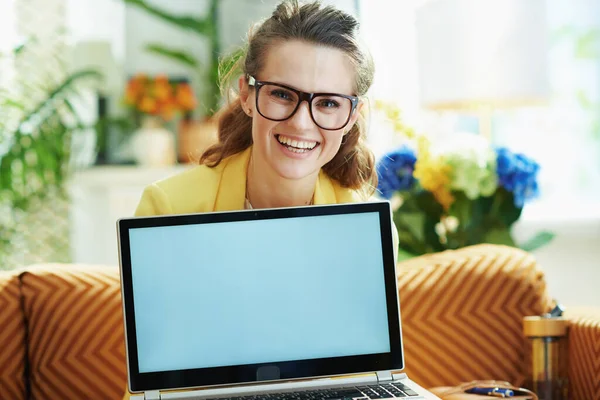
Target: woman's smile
[[296, 146]]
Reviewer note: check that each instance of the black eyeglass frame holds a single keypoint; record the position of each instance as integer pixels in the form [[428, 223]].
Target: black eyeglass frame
[[302, 96]]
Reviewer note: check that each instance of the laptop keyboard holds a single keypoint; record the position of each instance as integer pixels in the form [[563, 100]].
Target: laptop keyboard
[[380, 391]]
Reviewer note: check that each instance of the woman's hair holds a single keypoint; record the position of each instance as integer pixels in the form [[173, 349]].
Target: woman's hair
[[353, 165]]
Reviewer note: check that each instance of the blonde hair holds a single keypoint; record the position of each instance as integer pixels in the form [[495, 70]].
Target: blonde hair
[[354, 164]]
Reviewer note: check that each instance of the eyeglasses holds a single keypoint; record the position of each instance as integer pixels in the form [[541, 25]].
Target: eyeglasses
[[329, 111]]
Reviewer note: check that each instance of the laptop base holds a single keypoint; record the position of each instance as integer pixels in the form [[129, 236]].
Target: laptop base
[[396, 386]]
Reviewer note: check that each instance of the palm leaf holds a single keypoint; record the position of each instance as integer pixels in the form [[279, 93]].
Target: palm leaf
[[202, 26], [59, 90], [174, 54]]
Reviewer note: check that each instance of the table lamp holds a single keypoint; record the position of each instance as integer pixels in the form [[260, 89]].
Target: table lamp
[[479, 55]]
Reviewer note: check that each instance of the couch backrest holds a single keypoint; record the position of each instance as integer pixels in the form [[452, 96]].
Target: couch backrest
[[12, 339], [75, 331]]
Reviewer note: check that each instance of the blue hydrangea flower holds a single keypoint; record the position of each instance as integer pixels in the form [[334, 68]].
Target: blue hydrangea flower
[[517, 173], [395, 171]]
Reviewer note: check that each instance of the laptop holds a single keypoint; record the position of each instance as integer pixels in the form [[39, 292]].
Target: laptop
[[288, 303]]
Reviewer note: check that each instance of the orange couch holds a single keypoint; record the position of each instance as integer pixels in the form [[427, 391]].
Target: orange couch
[[62, 330]]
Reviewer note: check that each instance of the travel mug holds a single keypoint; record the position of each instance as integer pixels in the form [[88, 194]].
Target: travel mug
[[546, 355]]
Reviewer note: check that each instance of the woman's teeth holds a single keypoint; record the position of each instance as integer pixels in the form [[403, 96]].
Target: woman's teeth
[[297, 146]]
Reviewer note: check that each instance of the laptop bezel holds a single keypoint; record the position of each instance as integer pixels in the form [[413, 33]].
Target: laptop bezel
[[247, 374]]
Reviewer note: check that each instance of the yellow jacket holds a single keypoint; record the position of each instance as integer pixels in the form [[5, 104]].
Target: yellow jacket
[[223, 188]]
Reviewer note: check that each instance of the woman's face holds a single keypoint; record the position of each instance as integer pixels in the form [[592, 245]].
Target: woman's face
[[297, 148]]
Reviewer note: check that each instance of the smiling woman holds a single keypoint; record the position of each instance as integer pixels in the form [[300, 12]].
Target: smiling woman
[[293, 134], [288, 121]]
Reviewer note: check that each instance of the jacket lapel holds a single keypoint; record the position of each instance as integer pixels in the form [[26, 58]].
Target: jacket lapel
[[231, 192]]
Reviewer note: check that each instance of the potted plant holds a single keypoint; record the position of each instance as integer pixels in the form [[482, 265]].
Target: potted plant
[[194, 134], [154, 102], [452, 193], [36, 146]]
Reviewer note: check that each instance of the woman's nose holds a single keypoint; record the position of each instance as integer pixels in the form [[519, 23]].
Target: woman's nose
[[302, 119]]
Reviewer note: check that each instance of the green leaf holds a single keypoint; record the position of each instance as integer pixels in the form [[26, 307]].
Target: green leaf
[[411, 222], [583, 99], [587, 46], [202, 26], [178, 55], [13, 104], [539, 240], [59, 90], [504, 208], [19, 49], [499, 236], [404, 255]]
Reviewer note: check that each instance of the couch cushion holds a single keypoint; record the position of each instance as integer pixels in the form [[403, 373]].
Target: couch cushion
[[75, 329], [12, 338], [584, 352], [462, 313]]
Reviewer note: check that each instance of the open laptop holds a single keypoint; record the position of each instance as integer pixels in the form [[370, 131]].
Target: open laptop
[[290, 303]]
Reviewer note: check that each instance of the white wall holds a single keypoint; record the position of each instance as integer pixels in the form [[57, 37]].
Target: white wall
[[571, 262]]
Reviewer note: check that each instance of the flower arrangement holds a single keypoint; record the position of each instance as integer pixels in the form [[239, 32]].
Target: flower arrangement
[[157, 96], [456, 192]]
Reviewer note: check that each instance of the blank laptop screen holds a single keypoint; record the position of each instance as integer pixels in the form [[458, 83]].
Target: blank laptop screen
[[262, 291]]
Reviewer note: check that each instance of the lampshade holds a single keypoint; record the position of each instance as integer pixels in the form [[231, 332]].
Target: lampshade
[[97, 55], [482, 52]]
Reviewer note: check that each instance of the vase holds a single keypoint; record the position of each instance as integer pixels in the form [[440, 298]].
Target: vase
[[153, 145], [194, 137]]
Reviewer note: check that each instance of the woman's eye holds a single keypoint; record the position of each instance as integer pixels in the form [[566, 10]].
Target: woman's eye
[[328, 103], [281, 94]]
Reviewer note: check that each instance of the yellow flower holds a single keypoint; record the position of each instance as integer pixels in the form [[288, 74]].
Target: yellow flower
[[394, 116], [433, 174]]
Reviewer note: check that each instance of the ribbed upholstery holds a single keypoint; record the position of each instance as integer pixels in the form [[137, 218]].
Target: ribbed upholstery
[[462, 313], [75, 333], [584, 353], [12, 339]]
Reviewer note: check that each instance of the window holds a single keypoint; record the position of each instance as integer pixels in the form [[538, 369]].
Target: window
[[564, 137]]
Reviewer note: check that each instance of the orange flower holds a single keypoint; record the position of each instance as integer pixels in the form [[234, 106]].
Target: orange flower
[[140, 78], [162, 79], [148, 105], [162, 90], [132, 92], [185, 97], [157, 96], [168, 110]]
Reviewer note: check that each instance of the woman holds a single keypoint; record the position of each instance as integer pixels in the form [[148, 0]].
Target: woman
[[295, 134]]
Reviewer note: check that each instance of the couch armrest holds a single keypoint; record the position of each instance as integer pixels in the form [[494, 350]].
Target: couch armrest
[[584, 352], [462, 313]]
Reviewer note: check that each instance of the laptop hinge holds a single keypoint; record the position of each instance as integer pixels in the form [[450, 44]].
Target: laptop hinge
[[384, 376], [152, 395]]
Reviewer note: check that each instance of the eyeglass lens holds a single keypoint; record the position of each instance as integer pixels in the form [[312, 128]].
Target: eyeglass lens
[[328, 111]]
